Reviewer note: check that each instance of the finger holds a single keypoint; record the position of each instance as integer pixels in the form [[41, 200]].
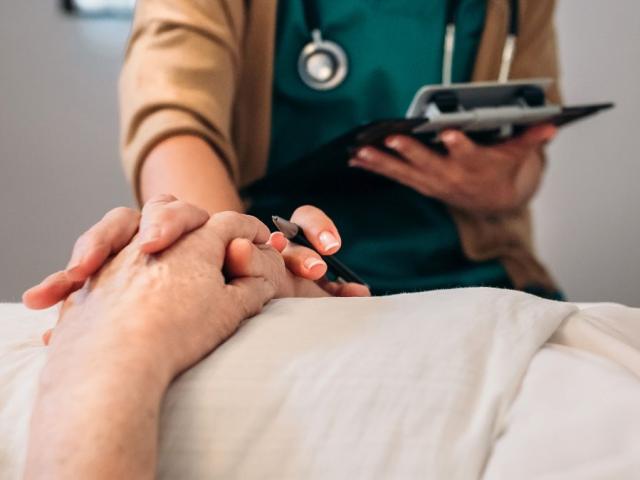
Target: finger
[[304, 262], [534, 137], [338, 289], [415, 152], [165, 221], [318, 228], [392, 167], [223, 227], [229, 225], [245, 259], [51, 290], [110, 235], [459, 145], [278, 241]]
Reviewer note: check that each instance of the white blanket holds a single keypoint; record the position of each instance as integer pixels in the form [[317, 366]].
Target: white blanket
[[410, 386]]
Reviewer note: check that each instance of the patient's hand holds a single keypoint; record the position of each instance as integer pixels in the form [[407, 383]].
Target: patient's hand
[[135, 325], [244, 257], [164, 220], [184, 301]]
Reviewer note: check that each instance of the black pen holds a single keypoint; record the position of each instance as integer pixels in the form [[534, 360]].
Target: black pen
[[295, 234]]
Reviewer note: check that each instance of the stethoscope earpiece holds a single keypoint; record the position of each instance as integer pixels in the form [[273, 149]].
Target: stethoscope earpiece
[[322, 64]]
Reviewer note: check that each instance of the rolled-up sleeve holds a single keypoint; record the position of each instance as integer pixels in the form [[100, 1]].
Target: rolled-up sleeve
[[180, 76]]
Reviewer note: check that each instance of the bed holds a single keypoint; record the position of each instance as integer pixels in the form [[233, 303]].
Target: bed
[[456, 384]]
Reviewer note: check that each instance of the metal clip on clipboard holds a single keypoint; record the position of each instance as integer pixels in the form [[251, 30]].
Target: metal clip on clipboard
[[494, 108]]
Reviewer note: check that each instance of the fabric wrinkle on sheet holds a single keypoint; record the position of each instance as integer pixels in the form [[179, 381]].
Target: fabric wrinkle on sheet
[[552, 432], [22, 357], [392, 387]]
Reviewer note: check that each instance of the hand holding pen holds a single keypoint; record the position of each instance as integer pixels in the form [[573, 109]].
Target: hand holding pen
[[314, 240]]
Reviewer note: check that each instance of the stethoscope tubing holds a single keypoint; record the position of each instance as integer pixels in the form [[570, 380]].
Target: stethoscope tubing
[[339, 60]]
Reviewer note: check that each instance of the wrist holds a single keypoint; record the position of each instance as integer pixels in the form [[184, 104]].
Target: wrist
[[109, 345]]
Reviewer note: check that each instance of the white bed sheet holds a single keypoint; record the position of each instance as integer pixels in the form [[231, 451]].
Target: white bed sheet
[[409, 386], [575, 417]]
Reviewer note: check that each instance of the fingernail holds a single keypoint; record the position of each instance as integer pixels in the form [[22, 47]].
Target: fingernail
[[449, 137], [392, 142], [364, 154], [353, 162], [328, 241], [150, 234], [311, 262]]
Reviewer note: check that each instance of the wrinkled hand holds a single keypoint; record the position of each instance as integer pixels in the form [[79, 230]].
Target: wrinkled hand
[[178, 305], [492, 179], [163, 221]]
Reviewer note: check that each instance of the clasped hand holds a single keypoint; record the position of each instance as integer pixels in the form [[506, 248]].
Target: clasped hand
[[173, 282]]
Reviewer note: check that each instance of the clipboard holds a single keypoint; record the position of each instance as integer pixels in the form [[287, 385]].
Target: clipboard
[[489, 113]]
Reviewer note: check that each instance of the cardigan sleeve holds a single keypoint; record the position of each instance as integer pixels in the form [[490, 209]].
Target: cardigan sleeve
[[537, 51], [180, 76]]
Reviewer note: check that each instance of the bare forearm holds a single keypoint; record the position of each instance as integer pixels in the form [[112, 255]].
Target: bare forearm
[[187, 167], [96, 415]]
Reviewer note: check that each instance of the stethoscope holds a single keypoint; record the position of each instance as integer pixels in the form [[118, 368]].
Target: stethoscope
[[323, 64]]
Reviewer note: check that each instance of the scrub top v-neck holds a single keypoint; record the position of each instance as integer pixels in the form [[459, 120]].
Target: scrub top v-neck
[[398, 240]]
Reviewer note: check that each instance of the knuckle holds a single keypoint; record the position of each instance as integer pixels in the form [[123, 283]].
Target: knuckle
[[181, 205], [157, 201], [190, 208], [166, 216], [83, 241], [121, 213], [224, 220], [224, 223], [228, 216], [162, 197]]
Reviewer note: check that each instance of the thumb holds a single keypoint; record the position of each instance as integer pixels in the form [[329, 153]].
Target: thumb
[[318, 228], [535, 136]]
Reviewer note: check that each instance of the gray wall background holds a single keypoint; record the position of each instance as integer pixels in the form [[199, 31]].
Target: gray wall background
[[59, 167]]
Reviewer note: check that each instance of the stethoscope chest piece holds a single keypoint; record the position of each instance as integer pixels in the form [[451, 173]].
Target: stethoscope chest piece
[[322, 64]]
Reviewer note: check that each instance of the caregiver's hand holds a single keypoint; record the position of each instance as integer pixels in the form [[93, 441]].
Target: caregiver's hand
[[493, 179], [322, 233]]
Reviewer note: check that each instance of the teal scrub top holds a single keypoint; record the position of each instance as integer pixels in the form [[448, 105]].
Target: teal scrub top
[[395, 238]]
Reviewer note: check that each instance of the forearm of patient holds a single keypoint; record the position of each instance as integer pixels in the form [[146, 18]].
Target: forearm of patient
[[96, 414], [121, 340]]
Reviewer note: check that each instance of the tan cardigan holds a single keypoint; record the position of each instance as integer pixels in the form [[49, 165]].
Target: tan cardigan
[[206, 68]]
